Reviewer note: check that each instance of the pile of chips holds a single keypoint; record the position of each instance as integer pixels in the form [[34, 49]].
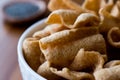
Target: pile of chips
[[75, 43]]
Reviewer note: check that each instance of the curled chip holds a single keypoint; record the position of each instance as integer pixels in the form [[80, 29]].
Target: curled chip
[[66, 4], [107, 20], [53, 44], [44, 70], [74, 6], [32, 52], [64, 17], [114, 37], [58, 50], [116, 10], [86, 19], [72, 75], [112, 73], [50, 29], [57, 4], [92, 5], [89, 61]]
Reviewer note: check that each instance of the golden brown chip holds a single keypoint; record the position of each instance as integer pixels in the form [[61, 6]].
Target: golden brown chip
[[116, 10], [89, 61], [32, 52], [44, 70], [68, 36], [74, 6], [72, 75], [61, 47], [42, 33], [114, 37], [57, 4], [50, 29], [107, 20], [112, 73], [92, 5], [63, 37], [112, 63], [64, 17], [67, 4], [86, 19]]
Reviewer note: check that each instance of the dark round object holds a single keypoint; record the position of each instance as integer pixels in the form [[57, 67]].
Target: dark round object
[[23, 11]]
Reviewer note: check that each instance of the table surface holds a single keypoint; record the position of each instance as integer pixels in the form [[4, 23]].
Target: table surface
[[9, 36]]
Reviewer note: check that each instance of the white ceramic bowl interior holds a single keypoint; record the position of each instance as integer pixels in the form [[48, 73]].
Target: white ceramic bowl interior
[[26, 71]]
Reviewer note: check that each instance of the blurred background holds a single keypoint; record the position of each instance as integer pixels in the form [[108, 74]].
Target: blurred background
[[9, 36]]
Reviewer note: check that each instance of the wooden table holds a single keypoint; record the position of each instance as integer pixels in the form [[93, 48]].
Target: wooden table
[[9, 36]]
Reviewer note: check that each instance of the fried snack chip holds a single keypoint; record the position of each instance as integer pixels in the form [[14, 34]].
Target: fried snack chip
[[64, 17], [93, 5], [32, 52], [107, 20], [58, 50], [74, 6], [49, 29], [114, 37], [51, 45], [44, 70], [86, 19], [112, 63], [57, 4], [116, 10], [72, 75], [112, 73], [66, 4], [89, 61], [67, 36]]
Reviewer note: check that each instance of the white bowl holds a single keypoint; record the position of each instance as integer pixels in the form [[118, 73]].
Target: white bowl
[[26, 71]]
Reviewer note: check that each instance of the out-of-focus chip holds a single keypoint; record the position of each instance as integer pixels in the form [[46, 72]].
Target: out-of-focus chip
[[65, 17], [57, 4], [66, 4], [116, 10], [113, 37], [86, 19], [74, 6], [72, 75], [89, 61], [107, 20], [93, 5]]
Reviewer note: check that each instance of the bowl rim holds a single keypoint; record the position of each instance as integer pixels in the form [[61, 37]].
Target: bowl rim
[[19, 48]]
